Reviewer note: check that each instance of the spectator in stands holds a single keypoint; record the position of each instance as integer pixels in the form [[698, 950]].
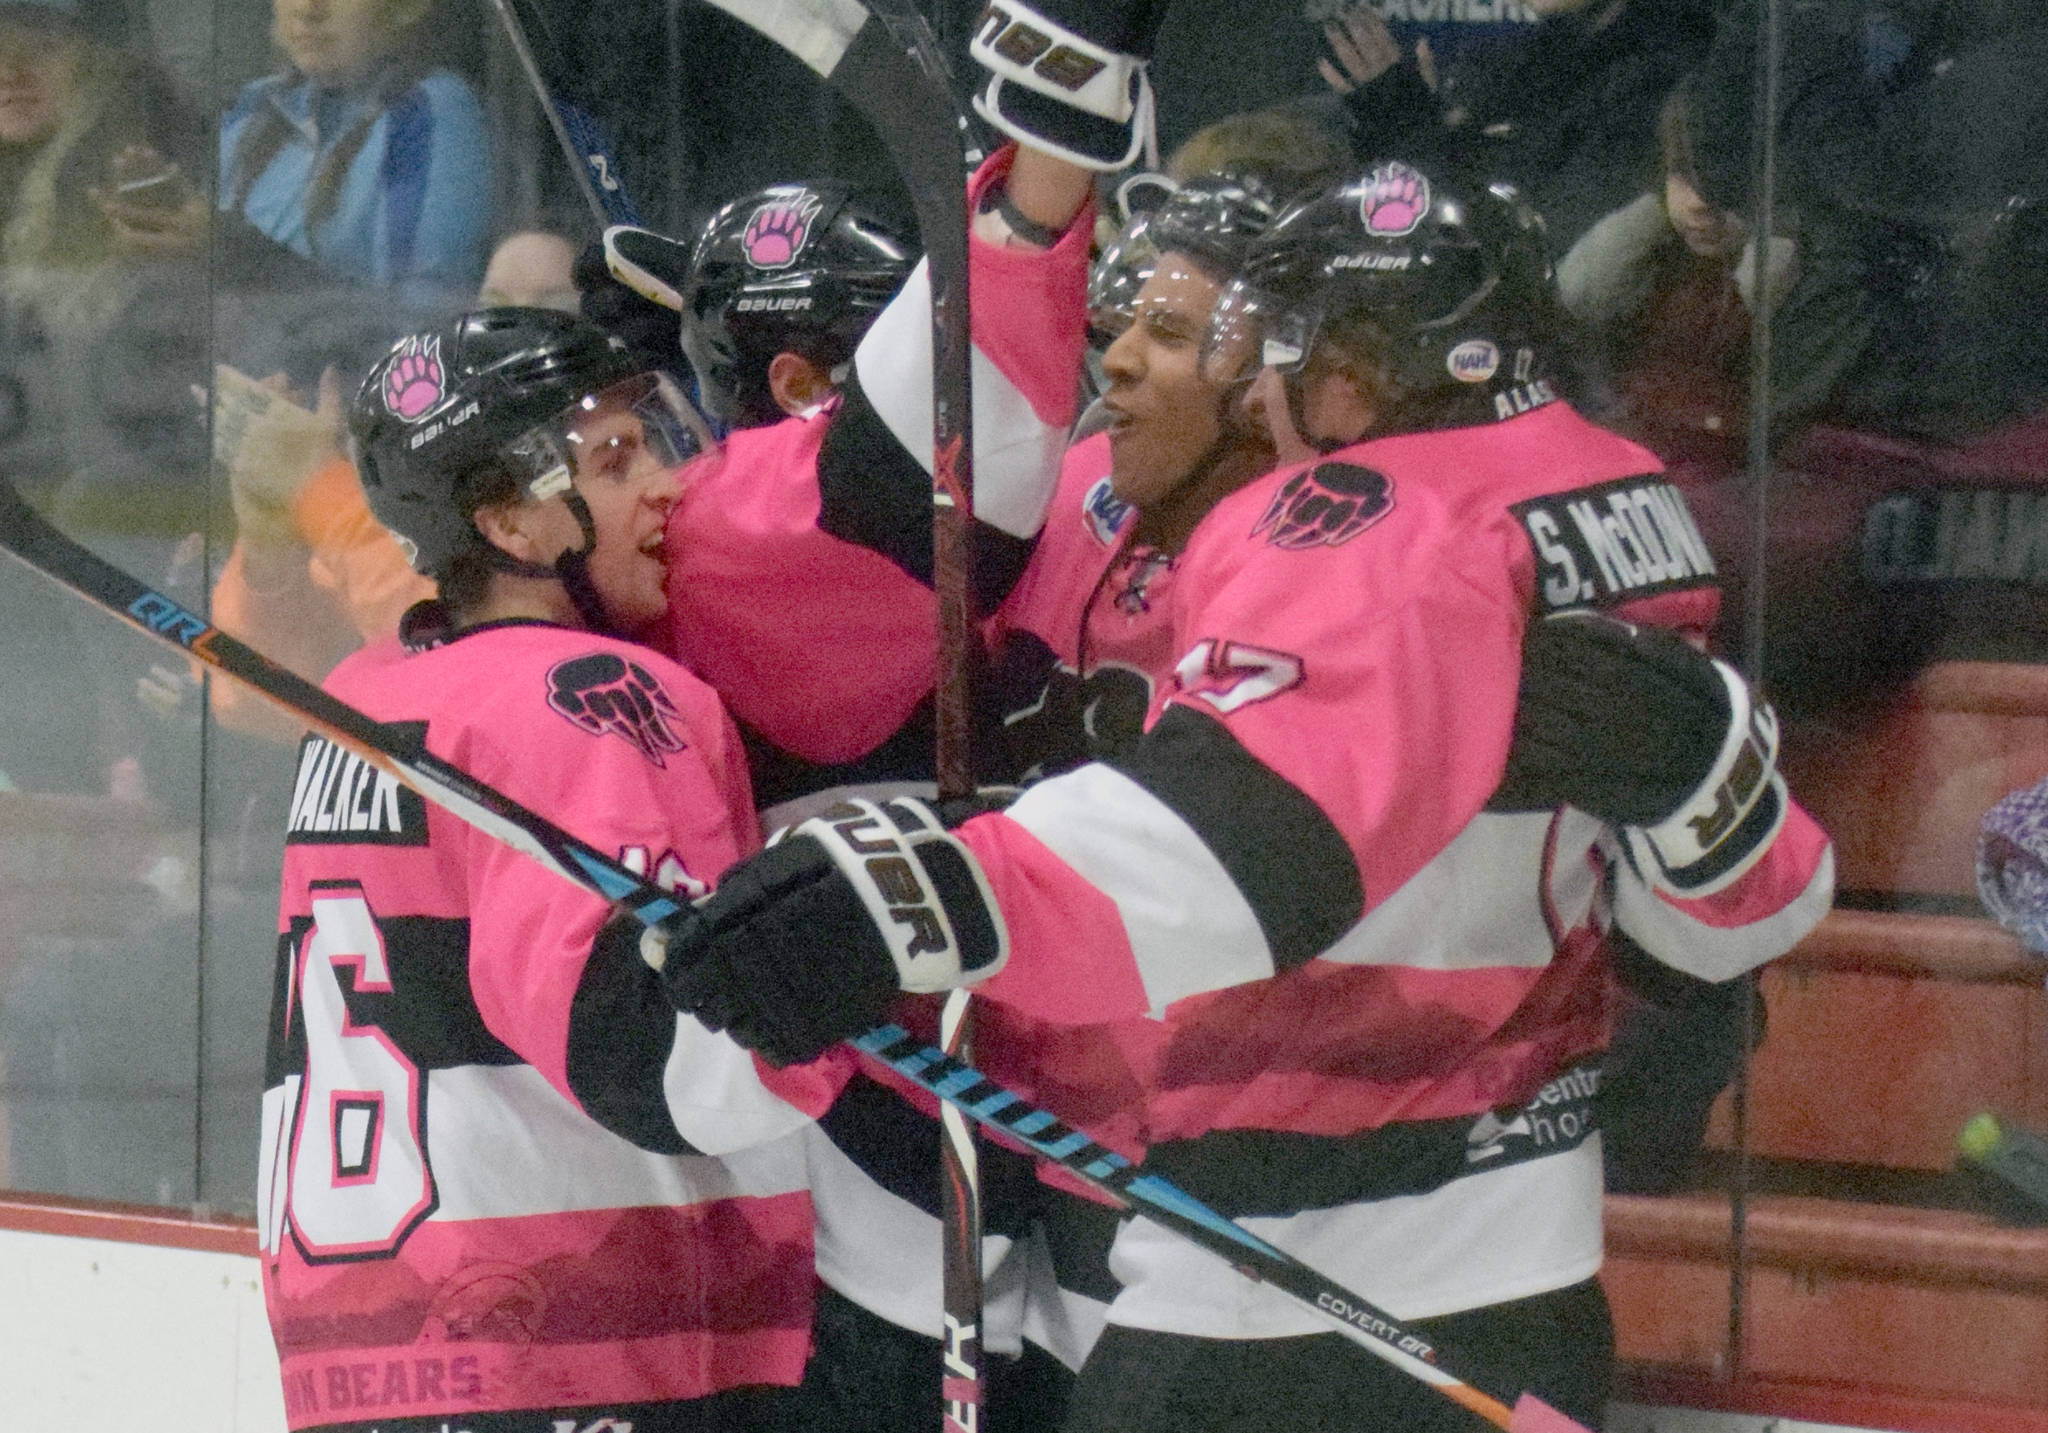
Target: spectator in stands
[[361, 154], [90, 427], [2012, 865], [1665, 287], [531, 269], [82, 126]]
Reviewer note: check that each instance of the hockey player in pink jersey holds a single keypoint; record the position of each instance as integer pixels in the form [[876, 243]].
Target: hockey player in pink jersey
[[801, 587], [1312, 969], [503, 1186], [771, 345]]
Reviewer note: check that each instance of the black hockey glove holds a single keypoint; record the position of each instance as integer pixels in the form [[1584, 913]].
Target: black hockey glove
[[1632, 725], [809, 942], [652, 265], [1068, 76]]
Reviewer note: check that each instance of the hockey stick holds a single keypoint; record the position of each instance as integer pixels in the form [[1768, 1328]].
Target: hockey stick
[[581, 137], [884, 62], [25, 535]]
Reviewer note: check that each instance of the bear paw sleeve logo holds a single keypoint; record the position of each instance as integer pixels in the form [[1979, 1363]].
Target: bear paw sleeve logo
[[604, 692], [1323, 506], [413, 382], [778, 231]]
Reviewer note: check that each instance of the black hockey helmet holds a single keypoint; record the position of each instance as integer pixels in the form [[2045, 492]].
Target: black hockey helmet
[[481, 409], [1447, 283], [1211, 218], [801, 268]]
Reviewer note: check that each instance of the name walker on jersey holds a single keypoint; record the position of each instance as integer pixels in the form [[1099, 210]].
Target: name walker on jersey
[[338, 799]]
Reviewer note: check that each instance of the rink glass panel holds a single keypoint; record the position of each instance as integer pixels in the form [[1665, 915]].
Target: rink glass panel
[[161, 401], [1886, 521]]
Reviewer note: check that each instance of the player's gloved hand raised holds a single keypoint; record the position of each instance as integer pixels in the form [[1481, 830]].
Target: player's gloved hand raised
[[1632, 725], [1068, 76], [808, 942]]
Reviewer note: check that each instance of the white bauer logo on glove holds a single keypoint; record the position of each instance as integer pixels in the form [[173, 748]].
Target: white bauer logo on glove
[[900, 860], [1728, 823]]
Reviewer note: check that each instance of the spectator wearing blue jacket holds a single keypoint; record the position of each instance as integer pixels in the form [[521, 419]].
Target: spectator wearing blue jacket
[[359, 156]]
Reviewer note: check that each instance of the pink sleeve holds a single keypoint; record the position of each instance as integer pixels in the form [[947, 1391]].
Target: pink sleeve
[[1029, 315], [1030, 306], [669, 812], [1770, 909]]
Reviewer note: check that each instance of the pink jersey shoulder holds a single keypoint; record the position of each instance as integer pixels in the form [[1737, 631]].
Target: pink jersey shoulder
[[606, 738], [1083, 532], [821, 645]]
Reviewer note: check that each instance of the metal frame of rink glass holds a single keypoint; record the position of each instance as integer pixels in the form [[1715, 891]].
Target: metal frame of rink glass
[[401, 753]]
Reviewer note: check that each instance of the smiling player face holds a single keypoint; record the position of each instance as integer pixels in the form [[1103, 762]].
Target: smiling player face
[[629, 488], [1164, 416]]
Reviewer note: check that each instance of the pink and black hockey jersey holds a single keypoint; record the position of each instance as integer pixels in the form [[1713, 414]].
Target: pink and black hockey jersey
[[1279, 946], [800, 589], [800, 578], [498, 1172], [1080, 639]]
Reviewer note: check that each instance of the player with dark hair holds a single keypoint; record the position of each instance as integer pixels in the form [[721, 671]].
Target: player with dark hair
[[1297, 944], [1077, 638], [782, 286], [781, 291], [802, 581], [502, 1182]]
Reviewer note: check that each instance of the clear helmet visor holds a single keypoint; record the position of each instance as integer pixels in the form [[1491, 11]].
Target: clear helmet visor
[[1253, 328], [614, 433], [1114, 281]]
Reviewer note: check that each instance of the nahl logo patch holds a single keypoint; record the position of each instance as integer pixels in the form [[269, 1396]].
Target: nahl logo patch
[[1325, 506], [604, 692], [1614, 542], [339, 799], [1105, 512]]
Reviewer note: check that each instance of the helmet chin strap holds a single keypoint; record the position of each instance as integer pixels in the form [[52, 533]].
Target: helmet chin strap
[[571, 569], [1292, 386]]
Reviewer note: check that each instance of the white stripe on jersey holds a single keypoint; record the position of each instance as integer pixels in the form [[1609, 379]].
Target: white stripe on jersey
[[272, 1181], [1479, 901], [1059, 1320], [1713, 952], [502, 1142], [715, 1095], [1190, 929], [1016, 456], [1509, 1233], [883, 1253]]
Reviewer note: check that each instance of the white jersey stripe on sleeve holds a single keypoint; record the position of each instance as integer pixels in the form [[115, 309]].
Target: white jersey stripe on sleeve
[[1480, 900], [1189, 928], [1017, 454], [1713, 952], [715, 1094]]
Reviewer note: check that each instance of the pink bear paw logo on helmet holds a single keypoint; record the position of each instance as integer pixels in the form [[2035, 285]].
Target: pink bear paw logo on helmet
[[412, 384], [776, 233], [1393, 199]]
